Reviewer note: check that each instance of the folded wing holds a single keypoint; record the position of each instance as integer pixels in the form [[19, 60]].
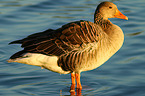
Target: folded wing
[[68, 38]]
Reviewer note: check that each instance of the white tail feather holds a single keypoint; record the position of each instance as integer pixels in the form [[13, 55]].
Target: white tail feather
[[36, 59]]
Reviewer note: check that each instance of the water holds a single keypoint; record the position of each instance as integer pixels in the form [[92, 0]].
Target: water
[[122, 75]]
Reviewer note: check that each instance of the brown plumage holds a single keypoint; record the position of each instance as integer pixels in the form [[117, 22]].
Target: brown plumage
[[69, 37], [75, 47]]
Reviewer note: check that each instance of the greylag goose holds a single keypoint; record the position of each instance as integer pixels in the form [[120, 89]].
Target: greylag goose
[[75, 47]]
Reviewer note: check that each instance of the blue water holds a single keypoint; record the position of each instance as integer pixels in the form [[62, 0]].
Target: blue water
[[122, 75]]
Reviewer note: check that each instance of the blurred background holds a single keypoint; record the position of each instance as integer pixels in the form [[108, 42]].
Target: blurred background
[[122, 75]]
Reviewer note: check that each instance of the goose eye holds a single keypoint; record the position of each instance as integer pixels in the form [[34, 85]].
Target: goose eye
[[110, 7]]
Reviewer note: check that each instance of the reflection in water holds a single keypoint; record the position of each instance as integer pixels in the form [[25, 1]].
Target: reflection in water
[[73, 92], [77, 93], [134, 34]]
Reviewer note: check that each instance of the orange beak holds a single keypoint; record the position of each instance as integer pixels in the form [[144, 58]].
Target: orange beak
[[118, 14]]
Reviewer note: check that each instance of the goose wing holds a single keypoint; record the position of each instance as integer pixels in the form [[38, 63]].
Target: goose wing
[[68, 38]]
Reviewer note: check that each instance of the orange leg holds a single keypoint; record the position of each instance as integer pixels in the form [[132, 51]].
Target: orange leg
[[72, 82], [79, 86]]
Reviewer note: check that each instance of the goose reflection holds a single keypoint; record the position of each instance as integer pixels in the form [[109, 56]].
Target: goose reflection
[[77, 93]]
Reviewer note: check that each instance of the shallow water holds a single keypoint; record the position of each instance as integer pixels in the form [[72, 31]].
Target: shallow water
[[122, 75]]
